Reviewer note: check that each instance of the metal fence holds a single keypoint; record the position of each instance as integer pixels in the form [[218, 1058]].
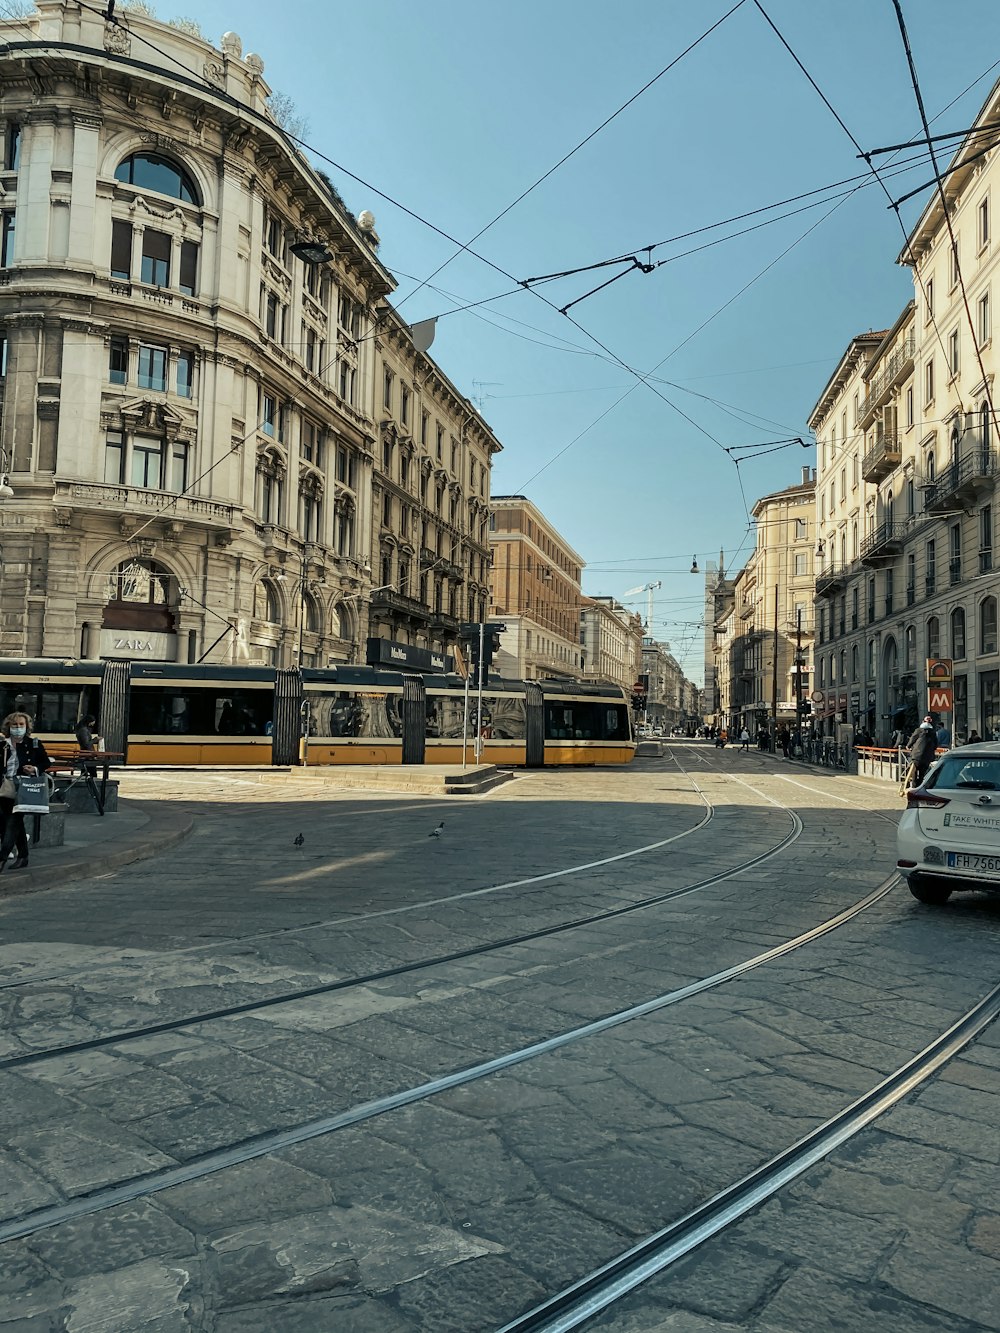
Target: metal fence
[[829, 754]]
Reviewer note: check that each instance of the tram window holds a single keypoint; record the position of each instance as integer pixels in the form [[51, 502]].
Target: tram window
[[580, 721], [51, 710], [503, 716], [359, 713], [172, 711]]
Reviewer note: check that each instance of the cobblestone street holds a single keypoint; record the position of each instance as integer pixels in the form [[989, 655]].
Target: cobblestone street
[[382, 1081]]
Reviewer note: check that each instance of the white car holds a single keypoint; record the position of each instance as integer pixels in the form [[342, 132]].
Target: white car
[[949, 835]]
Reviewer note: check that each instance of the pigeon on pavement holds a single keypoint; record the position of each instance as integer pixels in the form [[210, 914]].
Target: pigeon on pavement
[[299, 840], [436, 832]]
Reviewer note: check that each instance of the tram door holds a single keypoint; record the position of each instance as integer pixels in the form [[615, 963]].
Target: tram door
[[414, 719], [286, 720], [534, 736]]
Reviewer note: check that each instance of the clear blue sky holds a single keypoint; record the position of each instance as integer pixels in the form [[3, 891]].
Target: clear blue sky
[[454, 108]]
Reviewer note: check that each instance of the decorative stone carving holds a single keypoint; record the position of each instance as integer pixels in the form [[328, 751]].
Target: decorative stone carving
[[232, 45], [215, 73], [255, 63], [117, 38], [63, 517], [225, 537], [173, 531]]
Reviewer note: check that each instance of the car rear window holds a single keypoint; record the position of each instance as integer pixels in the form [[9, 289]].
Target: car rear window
[[976, 774]]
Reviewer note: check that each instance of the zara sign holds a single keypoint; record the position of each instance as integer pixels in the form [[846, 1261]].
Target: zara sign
[[138, 645]]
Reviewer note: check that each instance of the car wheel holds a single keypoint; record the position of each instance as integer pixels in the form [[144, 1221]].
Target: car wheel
[[927, 890]]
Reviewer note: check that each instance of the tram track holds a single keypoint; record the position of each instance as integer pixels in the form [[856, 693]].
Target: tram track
[[125, 1035], [271, 1142], [598, 1290]]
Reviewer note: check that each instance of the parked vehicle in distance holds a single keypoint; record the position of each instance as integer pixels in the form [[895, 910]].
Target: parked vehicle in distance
[[949, 836]]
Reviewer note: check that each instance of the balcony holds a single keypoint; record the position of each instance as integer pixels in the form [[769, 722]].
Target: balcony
[[386, 601], [895, 368], [962, 481], [883, 457], [831, 580], [118, 500], [884, 544], [747, 609]]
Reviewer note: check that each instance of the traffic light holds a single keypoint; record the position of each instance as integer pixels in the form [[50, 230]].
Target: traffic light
[[806, 707], [469, 638]]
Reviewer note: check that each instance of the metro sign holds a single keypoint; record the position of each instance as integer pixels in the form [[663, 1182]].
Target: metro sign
[[939, 699]]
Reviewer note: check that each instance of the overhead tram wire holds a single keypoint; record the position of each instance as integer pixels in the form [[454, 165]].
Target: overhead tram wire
[[583, 142], [944, 208], [871, 167]]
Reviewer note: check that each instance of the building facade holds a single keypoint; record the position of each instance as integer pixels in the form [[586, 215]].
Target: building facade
[[610, 642], [195, 343], [535, 592], [908, 465], [768, 628], [430, 499]]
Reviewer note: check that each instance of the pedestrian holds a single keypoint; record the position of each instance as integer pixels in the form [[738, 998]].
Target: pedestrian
[[745, 740], [921, 746], [784, 740], [88, 739], [763, 739], [974, 738], [943, 737], [23, 756]]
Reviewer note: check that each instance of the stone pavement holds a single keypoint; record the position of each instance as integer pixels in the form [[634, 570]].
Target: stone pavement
[[96, 843], [452, 1214]]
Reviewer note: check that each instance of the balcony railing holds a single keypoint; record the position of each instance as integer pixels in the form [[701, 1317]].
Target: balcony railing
[[831, 580], [386, 599], [883, 457], [896, 365], [95, 495], [884, 543], [962, 480]]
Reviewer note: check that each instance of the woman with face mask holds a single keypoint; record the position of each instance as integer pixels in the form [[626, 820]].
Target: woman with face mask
[[22, 755]]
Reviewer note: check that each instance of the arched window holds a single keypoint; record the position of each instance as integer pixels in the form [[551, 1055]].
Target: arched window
[[911, 499], [984, 425], [954, 445], [890, 509], [139, 582], [909, 648], [988, 625], [854, 663], [930, 466], [266, 607], [150, 171], [958, 634], [933, 637], [313, 619], [843, 666]]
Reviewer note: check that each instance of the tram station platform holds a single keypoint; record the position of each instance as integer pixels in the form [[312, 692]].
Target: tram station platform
[[420, 779]]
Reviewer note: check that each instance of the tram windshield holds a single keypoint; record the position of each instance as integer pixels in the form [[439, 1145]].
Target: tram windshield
[[588, 720], [51, 709]]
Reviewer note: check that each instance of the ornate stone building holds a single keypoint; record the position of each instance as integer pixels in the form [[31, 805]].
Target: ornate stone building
[[430, 540], [194, 344], [610, 642]]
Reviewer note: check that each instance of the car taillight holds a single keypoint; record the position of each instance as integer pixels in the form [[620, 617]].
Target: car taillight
[[917, 798]]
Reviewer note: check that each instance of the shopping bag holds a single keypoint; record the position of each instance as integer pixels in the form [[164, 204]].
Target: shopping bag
[[32, 796]]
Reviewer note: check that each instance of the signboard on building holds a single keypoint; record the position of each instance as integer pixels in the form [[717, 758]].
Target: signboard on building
[[138, 646], [939, 699], [405, 656], [939, 670]]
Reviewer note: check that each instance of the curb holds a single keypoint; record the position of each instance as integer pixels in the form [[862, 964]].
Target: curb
[[162, 831]]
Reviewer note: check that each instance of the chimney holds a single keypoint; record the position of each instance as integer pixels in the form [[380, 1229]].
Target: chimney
[[805, 476]]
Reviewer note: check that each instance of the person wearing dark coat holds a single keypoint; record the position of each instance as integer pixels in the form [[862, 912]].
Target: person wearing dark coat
[[87, 738], [921, 745], [23, 756]]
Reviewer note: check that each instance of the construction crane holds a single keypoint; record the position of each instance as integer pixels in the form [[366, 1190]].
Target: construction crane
[[649, 589]]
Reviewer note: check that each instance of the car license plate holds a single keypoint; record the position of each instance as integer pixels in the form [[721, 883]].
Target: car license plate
[[983, 865]]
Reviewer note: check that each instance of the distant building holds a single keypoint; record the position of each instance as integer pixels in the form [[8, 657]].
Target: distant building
[[535, 585], [610, 642]]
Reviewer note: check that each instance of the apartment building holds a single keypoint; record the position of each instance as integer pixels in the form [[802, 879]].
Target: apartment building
[[195, 363], [610, 642], [535, 592], [430, 499], [908, 464], [769, 630]]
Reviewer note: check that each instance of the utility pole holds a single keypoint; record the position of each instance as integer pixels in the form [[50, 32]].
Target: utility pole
[[798, 670], [774, 678]]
